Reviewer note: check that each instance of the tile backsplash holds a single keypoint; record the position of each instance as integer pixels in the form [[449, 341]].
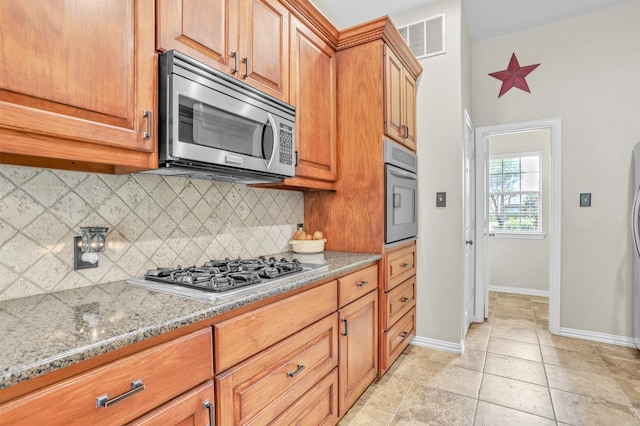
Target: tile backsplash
[[153, 221]]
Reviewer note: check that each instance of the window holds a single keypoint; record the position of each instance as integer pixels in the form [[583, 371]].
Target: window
[[515, 193]]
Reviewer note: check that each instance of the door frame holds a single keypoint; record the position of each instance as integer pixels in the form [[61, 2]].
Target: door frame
[[555, 200], [469, 271]]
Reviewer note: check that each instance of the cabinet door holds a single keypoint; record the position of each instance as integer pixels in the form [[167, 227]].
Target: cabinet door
[[393, 96], [313, 92], [358, 348], [263, 40], [193, 408], [76, 78], [202, 29], [409, 108]]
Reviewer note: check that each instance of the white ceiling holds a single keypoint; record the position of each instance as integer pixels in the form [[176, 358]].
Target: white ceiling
[[485, 18]]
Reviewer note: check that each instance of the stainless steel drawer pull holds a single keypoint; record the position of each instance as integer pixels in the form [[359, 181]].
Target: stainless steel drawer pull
[[104, 401], [295, 373], [234, 68], [404, 299], [149, 116], [245, 61], [362, 283], [207, 405], [404, 334]]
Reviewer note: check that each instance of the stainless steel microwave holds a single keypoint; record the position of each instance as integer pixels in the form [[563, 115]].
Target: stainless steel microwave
[[215, 127]]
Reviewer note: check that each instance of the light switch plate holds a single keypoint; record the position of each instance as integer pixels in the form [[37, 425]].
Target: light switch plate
[[441, 199], [585, 199]]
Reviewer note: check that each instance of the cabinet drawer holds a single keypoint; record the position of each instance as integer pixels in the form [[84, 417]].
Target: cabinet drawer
[[245, 335], [400, 265], [165, 371], [399, 301], [268, 383], [194, 408], [397, 338], [357, 284], [319, 406]]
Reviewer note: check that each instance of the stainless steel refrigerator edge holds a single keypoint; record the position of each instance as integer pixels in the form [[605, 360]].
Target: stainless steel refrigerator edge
[[635, 229]]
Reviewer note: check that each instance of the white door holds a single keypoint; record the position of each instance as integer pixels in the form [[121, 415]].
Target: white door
[[469, 224]]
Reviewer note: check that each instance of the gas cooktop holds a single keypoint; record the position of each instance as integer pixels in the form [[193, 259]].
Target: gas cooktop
[[221, 279]]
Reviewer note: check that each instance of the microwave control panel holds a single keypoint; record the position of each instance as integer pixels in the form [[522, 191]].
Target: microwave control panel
[[286, 144]]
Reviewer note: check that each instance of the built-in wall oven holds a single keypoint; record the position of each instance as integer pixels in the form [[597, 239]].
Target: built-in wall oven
[[401, 193]]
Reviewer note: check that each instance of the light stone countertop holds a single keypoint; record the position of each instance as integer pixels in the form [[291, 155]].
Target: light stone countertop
[[44, 333]]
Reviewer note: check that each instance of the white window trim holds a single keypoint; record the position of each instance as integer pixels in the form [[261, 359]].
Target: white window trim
[[519, 235], [525, 235]]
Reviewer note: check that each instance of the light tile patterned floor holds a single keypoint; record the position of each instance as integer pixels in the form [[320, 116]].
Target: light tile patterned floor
[[513, 372]]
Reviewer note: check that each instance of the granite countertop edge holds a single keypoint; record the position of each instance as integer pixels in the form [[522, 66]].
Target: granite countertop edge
[[37, 362]]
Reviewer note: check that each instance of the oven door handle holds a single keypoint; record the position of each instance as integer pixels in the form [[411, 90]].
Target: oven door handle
[[402, 173]]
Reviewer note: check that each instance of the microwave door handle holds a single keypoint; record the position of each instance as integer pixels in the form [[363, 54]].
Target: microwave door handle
[[276, 140], [402, 173]]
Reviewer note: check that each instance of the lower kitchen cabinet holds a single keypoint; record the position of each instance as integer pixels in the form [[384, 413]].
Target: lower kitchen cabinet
[[120, 391], [261, 389], [397, 304], [193, 408], [358, 348]]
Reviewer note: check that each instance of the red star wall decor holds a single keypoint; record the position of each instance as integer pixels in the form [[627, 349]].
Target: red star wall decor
[[514, 75]]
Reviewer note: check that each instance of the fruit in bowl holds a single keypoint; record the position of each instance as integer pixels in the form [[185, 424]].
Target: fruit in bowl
[[318, 235], [307, 242]]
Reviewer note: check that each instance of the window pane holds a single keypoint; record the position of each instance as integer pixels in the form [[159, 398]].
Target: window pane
[[531, 164], [514, 186], [531, 181], [495, 166], [495, 183], [511, 165], [511, 182]]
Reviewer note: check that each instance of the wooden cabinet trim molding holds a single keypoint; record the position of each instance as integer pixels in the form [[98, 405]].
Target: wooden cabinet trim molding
[[381, 28], [309, 14]]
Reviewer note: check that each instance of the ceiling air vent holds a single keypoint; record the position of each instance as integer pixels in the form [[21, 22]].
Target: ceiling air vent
[[425, 38]]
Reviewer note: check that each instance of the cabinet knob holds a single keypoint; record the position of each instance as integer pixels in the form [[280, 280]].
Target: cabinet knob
[[404, 334], [404, 299], [362, 283]]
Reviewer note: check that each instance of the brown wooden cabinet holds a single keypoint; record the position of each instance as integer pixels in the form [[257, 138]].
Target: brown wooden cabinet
[[120, 391], [398, 301], [193, 408], [374, 65], [399, 101], [77, 84], [248, 39], [262, 388], [359, 334], [313, 93]]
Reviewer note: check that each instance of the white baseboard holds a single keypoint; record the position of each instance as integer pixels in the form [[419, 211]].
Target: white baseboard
[[518, 290], [456, 348], [598, 337]]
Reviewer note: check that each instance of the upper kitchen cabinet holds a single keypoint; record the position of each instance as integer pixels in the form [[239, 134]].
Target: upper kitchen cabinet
[[370, 47], [77, 84], [313, 93], [248, 39], [400, 100]]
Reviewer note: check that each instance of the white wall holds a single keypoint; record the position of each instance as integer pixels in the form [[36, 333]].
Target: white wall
[[440, 134], [589, 77], [522, 263]]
